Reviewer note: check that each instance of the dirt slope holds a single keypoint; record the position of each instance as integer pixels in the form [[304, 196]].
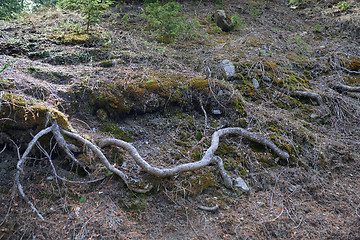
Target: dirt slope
[[167, 99]]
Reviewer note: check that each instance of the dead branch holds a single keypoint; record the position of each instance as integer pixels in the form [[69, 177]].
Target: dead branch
[[311, 95]]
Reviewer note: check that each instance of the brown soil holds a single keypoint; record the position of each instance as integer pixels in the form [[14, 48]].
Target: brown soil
[[119, 81]]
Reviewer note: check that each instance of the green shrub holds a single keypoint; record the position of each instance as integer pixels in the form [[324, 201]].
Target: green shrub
[[8, 8], [92, 9], [167, 20]]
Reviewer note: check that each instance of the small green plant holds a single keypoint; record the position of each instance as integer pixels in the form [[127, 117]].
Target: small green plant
[[295, 2], [108, 173], [82, 199], [266, 53], [125, 19], [92, 9], [236, 22], [254, 12], [343, 5], [5, 66], [167, 20], [318, 28]]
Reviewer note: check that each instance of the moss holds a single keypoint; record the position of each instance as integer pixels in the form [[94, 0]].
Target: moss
[[352, 81], [240, 107], [200, 182], [253, 41], [72, 38], [25, 114], [117, 132], [291, 82], [102, 114], [106, 64], [200, 83], [353, 64], [6, 84], [248, 91]]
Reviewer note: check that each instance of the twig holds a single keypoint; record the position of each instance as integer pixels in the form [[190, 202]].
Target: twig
[[205, 125], [3, 149]]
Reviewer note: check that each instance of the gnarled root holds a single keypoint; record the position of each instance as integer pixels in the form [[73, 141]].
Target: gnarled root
[[207, 159]]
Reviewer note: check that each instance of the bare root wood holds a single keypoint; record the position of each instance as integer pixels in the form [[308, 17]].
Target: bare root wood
[[207, 159], [20, 169], [346, 88], [105, 161], [307, 94], [210, 209]]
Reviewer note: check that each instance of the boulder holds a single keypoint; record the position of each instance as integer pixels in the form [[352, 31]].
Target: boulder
[[228, 68], [222, 20], [240, 183]]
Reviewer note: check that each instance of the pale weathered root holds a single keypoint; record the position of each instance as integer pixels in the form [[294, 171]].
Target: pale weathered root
[[105, 161], [346, 88], [207, 159], [210, 209], [307, 94], [21, 163]]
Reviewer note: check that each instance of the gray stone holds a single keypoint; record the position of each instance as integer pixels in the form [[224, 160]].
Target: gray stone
[[255, 83], [240, 183], [216, 112], [228, 68], [266, 78]]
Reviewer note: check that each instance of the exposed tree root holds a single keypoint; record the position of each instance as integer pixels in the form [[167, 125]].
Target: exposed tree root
[[207, 159], [346, 88], [311, 95], [210, 209], [20, 169]]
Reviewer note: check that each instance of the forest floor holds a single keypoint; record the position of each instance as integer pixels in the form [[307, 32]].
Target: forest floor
[[167, 99]]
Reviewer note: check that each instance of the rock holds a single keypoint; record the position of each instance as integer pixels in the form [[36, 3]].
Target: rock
[[222, 21], [216, 112], [240, 183], [314, 116], [266, 78], [228, 68], [255, 83]]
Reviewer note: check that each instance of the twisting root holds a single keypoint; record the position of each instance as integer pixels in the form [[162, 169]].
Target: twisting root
[[311, 95], [104, 160], [206, 160]]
